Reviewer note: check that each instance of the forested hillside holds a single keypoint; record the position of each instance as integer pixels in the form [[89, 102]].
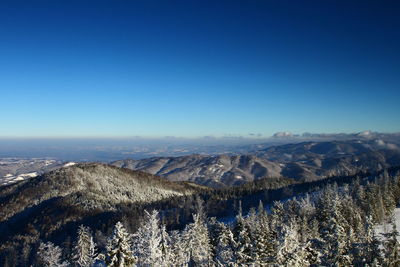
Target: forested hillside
[[322, 223]]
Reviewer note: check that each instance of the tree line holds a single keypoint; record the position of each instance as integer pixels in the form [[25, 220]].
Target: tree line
[[333, 226]]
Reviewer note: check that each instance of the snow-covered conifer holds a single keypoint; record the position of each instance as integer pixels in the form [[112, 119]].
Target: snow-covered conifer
[[84, 249], [50, 255], [290, 251], [225, 249], [147, 241], [119, 250], [244, 246], [197, 239], [166, 247], [180, 251], [392, 247]]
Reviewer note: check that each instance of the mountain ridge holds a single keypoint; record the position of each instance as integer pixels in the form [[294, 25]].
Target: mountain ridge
[[305, 161]]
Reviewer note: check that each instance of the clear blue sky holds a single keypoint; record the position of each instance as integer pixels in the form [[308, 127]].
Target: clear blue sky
[[194, 68]]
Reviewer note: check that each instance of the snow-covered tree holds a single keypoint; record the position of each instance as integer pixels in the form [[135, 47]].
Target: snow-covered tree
[[50, 255], [85, 248], [166, 247], [244, 245], [392, 247], [147, 241], [367, 250], [291, 252], [264, 245], [180, 251], [197, 239], [225, 249], [119, 250]]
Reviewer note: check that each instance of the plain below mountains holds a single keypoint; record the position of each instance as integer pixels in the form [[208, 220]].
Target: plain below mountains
[[307, 161]]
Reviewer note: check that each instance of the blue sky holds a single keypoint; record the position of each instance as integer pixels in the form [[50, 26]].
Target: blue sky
[[195, 68]]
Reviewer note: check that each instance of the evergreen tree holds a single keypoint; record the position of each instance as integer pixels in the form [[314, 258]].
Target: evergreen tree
[[84, 249], [367, 251], [332, 231], [179, 249], [147, 241], [263, 244], [225, 255], [166, 247], [50, 255], [244, 249], [119, 250], [198, 243], [392, 247], [290, 251]]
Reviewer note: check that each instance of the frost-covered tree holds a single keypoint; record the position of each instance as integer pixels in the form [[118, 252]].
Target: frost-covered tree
[[392, 247], [147, 241], [166, 247], [291, 252], [84, 251], [179, 249], [50, 255], [244, 245], [119, 249], [367, 250], [331, 227], [197, 239], [264, 245], [225, 249]]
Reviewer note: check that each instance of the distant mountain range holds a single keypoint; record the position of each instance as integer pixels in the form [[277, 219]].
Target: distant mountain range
[[298, 160], [305, 161], [14, 170]]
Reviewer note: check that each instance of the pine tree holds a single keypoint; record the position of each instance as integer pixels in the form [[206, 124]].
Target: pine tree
[[263, 243], [392, 247], [166, 247], [179, 249], [290, 251], [50, 255], [147, 241], [84, 249], [198, 243], [244, 249], [367, 251], [224, 250], [332, 231], [119, 251]]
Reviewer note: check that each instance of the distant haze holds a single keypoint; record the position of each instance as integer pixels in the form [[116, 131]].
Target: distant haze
[[110, 149]]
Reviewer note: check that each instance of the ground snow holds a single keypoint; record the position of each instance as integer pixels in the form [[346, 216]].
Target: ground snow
[[387, 227], [69, 164]]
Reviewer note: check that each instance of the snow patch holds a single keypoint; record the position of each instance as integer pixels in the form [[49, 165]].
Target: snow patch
[[69, 164], [30, 175], [386, 227]]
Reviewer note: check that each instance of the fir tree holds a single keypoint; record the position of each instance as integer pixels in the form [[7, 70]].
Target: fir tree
[[50, 255], [179, 249], [392, 247], [244, 249], [147, 241], [197, 240], [290, 251], [84, 249], [166, 247], [119, 251], [225, 255]]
